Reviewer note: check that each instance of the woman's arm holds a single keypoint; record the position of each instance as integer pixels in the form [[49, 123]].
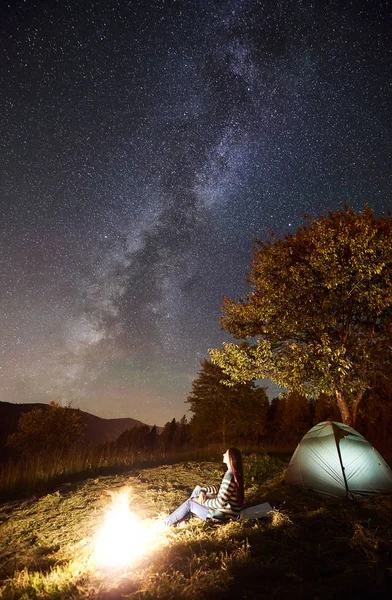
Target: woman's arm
[[227, 492], [210, 490], [201, 498]]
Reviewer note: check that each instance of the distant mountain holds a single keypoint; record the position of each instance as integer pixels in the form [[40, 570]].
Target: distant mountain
[[98, 430]]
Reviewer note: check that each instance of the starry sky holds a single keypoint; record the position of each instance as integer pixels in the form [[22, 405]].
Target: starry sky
[[144, 145]]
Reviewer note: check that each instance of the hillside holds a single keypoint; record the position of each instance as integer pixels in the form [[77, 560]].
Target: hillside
[[98, 430]]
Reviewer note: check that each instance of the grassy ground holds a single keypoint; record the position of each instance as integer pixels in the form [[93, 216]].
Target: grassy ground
[[308, 548]]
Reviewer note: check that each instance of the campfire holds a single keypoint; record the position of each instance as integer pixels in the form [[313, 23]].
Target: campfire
[[124, 537]]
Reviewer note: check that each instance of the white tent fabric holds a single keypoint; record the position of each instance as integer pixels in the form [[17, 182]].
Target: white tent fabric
[[335, 460]]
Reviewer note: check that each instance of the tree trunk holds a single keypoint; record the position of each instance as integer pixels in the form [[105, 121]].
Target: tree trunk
[[355, 408], [344, 409], [224, 431]]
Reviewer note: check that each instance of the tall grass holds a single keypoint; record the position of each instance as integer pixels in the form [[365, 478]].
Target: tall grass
[[29, 474], [39, 473]]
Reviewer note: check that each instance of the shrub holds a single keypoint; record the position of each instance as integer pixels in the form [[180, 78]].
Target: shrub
[[51, 430], [258, 468]]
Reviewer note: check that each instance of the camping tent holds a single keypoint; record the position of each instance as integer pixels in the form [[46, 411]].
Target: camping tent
[[335, 460]]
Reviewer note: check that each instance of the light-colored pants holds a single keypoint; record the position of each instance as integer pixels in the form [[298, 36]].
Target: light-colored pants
[[189, 507]]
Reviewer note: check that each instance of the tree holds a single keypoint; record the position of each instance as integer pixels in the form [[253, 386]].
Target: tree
[[274, 417], [166, 439], [175, 435], [325, 408], [296, 417], [226, 412], [375, 415], [135, 439], [152, 438], [46, 430], [181, 436], [320, 309]]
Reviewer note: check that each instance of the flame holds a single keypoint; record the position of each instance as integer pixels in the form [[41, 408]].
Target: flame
[[124, 537]]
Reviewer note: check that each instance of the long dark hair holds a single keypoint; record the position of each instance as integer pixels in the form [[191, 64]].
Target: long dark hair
[[235, 460]]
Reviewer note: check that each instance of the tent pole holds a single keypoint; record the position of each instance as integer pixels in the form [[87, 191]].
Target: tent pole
[[337, 441]]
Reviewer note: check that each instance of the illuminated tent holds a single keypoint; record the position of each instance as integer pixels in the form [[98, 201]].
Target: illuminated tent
[[335, 460]]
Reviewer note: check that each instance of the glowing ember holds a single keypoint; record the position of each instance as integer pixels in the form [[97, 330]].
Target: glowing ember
[[124, 537]]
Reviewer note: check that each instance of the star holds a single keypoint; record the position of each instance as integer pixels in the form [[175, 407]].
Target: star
[[143, 148]]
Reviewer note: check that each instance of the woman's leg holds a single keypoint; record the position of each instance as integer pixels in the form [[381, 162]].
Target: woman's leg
[[199, 510], [196, 492], [187, 508], [178, 515]]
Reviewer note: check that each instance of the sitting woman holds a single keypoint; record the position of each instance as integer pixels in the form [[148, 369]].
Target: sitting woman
[[217, 503]]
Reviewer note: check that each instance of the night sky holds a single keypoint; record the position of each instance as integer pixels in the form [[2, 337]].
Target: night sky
[[144, 144]]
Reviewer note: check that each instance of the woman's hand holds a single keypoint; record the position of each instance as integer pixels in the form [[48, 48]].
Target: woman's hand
[[202, 498]]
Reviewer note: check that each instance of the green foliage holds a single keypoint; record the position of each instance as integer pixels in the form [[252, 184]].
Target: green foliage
[[259, 468], [42, 431], [226, 413], [320, 309]]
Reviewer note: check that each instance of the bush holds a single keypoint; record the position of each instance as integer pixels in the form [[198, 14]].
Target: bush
[[258, 468], [55, 429]]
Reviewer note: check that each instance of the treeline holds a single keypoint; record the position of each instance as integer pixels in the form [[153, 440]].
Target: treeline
[[48, 446], [248, 419], [239, 415], [145, 440], [243, 414], [291, 415]]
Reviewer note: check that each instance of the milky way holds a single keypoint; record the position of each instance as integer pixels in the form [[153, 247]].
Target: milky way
[[144, 144]]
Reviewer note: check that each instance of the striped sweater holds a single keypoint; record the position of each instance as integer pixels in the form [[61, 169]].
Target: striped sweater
[[223, 501]]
